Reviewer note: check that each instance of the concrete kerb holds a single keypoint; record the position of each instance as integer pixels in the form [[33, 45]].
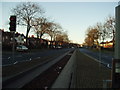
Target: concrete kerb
[[66, 74], [73, 81]]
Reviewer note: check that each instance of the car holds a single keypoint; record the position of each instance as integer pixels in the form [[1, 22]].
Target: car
[[21, 48], [58, 47]]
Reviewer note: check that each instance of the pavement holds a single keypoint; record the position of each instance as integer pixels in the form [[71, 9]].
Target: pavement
[[89, 73], [82, 71]]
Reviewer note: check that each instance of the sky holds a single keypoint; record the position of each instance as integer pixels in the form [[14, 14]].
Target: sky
[[74, 17]]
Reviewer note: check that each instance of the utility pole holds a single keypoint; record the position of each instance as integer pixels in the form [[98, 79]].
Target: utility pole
[[116, 60]]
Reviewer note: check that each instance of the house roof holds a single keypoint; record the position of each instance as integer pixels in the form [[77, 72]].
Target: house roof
[[106, 42]]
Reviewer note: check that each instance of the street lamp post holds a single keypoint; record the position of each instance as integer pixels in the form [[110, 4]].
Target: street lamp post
[[116, 60]]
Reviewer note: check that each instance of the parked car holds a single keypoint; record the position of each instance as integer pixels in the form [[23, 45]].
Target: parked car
[[21, 48], [58, 47]]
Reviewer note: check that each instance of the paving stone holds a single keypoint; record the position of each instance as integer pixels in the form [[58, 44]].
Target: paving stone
[[89, 73]]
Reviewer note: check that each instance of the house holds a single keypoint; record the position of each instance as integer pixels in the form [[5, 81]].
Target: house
[[107, 44], [7, 39], [20, 38], [34, 42]]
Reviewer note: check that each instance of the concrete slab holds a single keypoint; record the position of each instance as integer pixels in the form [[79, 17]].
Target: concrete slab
[[64, 79]]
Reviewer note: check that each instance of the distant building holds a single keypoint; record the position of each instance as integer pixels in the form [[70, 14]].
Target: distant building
[[107, 44], [20, 38], [7, 39], [34, 42]]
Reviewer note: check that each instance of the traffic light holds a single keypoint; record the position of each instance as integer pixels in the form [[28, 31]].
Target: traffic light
[[12, 23]]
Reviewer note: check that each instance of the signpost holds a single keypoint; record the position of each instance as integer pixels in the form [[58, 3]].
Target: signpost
[[116, 60]]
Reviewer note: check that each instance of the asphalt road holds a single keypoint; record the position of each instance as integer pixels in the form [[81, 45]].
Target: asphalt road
[[104, 58], [25, 77], [7, 57]]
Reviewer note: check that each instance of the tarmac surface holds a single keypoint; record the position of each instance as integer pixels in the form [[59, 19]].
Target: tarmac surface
[[22, 78]]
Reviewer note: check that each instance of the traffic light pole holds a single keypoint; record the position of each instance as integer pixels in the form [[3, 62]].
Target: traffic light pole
[[13, 48], [116, 61], [12, 28]]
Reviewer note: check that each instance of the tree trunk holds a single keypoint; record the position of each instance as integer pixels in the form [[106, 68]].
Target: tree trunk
[[113, 39], [28, 29], [40, 40], [51, 43]]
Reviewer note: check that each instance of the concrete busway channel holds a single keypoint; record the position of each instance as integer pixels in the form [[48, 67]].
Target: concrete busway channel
[[66, 78], [19, 80]]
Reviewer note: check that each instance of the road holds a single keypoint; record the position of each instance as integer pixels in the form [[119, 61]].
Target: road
[[104, 58], [25, 77], [7, 57]]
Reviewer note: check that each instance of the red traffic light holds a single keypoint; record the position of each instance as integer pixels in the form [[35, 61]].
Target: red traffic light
[[12, 23], [13, 18]]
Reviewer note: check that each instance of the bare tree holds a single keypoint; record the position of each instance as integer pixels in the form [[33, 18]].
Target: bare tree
[[40, 26], [110, 27], [102, 31], [25, 12], [58, 31], [63, 36], [53, 30], [88, 41], [92, 36]]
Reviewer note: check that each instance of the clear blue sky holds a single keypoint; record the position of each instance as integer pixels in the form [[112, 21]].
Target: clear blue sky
[[75, 17]]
